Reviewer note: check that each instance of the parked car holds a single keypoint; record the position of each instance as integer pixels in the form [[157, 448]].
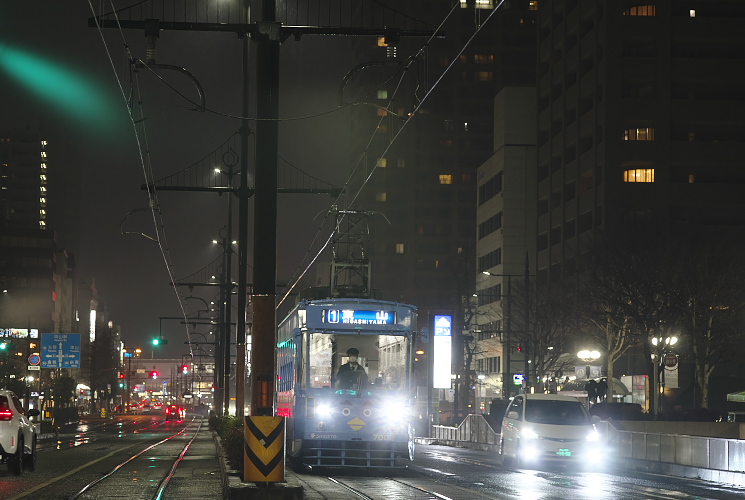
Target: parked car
[[17, 434], [542, 428], [175, 412]]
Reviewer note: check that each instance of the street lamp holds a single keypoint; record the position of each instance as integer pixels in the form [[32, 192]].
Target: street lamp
[[660, 345]]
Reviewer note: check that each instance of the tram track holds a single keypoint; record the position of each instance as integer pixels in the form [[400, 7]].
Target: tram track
[[140, 463], [374, 486]]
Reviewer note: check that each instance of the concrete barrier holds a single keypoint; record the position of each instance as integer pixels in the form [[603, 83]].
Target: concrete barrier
[[693, 454]]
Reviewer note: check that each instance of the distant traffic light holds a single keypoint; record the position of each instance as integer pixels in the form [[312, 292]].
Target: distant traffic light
[[160, 341], [3, 345], [185, 369], [153, 375]]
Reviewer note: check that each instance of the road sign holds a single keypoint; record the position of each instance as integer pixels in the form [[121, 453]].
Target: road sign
[[34, 367], [34, 359], [670, 360], [60, 350]]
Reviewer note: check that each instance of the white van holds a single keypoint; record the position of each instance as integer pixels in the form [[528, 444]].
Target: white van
[[546, 427]]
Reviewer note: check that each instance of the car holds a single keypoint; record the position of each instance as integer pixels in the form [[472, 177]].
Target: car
[[17, 434], [548, 428], [175, 412]]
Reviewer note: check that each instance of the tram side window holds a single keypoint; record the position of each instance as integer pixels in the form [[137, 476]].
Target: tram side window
[[321, 349], [392, 373]]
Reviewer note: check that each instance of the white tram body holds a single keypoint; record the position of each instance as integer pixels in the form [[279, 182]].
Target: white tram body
[[331, 424]]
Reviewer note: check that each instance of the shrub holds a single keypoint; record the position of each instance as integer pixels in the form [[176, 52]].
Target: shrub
[[231, 434]]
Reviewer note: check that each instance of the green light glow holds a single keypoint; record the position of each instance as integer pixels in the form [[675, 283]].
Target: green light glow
[[71, 92]]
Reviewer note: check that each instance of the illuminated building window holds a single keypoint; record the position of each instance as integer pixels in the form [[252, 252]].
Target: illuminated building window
[[484, 76], [399, 248], [43, 166], [639, 175], [641, 10], [43, 190], [479, 4], [382, 112], [43, 154], [42, 213], [382, 94], [446, 179], [400, 163], [639, 134], [533, 5], [463, 58], [690, 179], [43, 143], [43, 202], [380, 196], [692, 13], [43, 178], [483, 58], [382, 163], [42, 224], [381, 42]]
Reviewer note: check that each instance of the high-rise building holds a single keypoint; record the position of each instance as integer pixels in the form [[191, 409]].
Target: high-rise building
[[36, 277], [432, 120], [639, 117]]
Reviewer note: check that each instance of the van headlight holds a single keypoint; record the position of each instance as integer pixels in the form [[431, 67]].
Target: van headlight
[[528, 433], [593, 435]]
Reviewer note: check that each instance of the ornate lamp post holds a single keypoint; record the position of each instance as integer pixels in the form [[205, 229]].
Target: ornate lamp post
[[660, 345]]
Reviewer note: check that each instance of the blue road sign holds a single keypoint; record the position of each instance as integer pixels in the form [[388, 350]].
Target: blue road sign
[[60, 350]]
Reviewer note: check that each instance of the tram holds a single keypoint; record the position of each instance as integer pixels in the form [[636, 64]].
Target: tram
[[345, 383]]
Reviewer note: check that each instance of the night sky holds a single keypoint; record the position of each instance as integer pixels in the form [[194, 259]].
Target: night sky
[[95, 161]]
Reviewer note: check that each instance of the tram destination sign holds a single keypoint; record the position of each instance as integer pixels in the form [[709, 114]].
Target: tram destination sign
[[358, 317]]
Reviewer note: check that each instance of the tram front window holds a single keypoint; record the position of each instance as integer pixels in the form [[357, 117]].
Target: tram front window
[[358, 363]]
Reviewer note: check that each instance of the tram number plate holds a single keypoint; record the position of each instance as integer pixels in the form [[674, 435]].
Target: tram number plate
[[383, 437]]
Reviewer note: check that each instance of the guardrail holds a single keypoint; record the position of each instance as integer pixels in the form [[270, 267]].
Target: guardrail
[[718, 459]]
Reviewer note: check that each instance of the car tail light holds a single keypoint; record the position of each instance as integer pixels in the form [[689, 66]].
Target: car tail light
[[6, 413]]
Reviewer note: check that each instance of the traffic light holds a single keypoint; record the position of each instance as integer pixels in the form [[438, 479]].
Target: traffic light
[[121, 375], [3, 346], [153, 375], [160, 341], [185, 369]]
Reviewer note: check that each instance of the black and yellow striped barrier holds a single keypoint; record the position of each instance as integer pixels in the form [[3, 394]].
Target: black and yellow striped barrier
[[264, 449]]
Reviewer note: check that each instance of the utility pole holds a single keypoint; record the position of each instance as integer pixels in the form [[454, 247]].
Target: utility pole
[[267, 34]]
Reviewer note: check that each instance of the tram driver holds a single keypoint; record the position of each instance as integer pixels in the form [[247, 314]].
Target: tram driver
[[351, 375]]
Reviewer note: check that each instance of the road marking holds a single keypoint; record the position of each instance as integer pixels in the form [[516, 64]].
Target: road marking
[[52, 481]]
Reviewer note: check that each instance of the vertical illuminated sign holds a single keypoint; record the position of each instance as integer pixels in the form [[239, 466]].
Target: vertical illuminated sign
[[442, 359]]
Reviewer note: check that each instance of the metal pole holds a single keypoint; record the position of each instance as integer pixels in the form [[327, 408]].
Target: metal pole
[[243, 194]]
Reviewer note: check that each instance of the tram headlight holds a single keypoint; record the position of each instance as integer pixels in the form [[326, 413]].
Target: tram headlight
[[396, 411], [323, 410]]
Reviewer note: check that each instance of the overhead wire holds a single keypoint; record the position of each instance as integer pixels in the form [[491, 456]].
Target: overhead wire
[[395, 137], [145, 163]]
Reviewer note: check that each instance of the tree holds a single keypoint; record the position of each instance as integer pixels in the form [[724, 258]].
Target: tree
[[711, 300], [603, 309], [63, 391]]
